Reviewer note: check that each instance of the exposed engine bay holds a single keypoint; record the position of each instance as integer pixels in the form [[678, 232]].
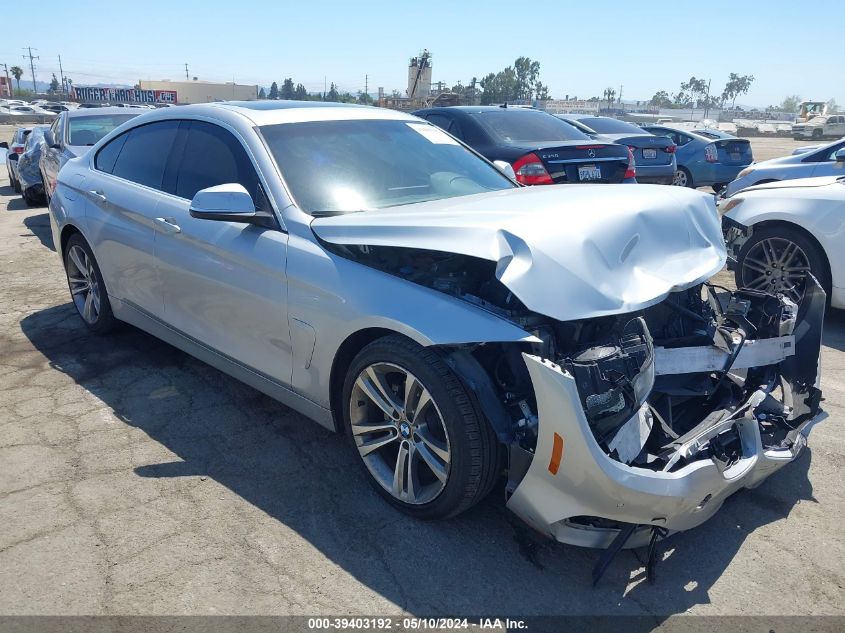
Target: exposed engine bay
[[660, 387]]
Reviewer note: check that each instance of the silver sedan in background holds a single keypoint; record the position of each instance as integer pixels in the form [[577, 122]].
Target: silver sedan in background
[[372, 272], [824, 160], [72, 134]]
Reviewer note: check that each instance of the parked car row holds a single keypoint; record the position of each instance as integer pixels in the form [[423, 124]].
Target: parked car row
[[592, 148], [38, 153], [375, 273]]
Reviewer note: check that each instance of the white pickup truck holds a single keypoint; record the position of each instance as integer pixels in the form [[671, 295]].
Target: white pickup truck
[[825, 126]]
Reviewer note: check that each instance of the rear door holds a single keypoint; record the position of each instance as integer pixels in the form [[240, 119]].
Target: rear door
[[123, 191], [224, 283]]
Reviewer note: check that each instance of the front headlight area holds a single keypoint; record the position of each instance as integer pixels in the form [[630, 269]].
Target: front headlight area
[[674, 384]]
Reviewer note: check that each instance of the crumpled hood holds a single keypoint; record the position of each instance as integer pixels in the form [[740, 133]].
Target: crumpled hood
[[568, 251]]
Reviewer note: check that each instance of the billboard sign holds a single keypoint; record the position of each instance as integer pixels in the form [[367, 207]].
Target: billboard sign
[[121, 95]]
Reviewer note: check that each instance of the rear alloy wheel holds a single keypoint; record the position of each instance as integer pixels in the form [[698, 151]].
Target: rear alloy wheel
[[817, 134], [420, 436], [777, 260], [682, 178], [87, 289]]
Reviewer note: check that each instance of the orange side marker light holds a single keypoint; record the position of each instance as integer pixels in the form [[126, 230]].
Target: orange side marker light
[[557, 454]]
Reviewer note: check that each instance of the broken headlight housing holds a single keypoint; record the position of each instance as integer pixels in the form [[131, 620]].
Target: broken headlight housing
[[614, 376]]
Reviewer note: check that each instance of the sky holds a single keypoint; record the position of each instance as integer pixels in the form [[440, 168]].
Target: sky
[[582, 47]]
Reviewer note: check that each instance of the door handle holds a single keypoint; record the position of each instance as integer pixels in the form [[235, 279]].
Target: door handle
[[99, 195], [168, 225]]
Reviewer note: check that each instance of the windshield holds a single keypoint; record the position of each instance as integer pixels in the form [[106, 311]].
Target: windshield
[[606, 125], [87, 130], [519, 126], [340, 166]]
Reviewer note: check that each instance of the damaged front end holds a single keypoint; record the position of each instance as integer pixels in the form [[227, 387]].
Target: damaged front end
[[651, 420]]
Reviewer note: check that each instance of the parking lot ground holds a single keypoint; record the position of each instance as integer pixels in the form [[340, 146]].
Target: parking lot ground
[[137, 480]]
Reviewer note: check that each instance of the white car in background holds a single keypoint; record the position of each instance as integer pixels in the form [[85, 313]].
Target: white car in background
[[778, 232], [825, 160], [832, 126]]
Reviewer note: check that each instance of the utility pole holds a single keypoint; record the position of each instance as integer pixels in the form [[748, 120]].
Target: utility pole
[[186, 73], [366, 84], [707, 100], [62, 75], [31, 64], [620, 97]]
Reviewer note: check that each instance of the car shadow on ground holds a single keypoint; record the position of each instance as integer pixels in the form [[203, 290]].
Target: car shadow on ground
[[40, 227], [482, 562]]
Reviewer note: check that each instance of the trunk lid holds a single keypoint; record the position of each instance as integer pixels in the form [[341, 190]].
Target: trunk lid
[[584, 161]]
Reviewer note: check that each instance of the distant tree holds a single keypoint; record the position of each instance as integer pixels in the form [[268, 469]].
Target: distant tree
[[364, 98], [288, 91], [609, 94], [790, 103], [333, 94], [17, 73], [661, 99], [696, 89], [274, 90], [300, 92], [832, 106], [54, 84], [500, 87], [262, 94], [736, 86]]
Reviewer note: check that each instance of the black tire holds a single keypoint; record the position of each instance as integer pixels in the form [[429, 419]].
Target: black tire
[[474, 465], [683, 178], [719, 186], [817, 134], [780, 235], [29, 199], [103, 321], [16, 185]]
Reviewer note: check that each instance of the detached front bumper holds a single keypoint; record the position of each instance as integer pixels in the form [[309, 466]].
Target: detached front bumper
[[573, 491]]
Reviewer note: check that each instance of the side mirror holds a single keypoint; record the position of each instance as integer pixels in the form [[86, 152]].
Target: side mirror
[[839, 156], [506, 168], [229, 203]]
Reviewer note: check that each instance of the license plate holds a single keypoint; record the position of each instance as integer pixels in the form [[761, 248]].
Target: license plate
[[589, 172], [649, 153], [736, 156]]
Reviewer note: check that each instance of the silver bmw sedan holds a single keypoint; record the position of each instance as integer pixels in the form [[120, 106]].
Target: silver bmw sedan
[[367, 269]]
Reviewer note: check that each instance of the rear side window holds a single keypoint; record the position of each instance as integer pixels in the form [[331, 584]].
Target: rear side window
[[107, 156], [516, 126], [213, 156], [145, 152]]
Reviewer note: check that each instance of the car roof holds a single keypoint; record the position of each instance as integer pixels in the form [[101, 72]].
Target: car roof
[[84, 112], [272, 112], [479, 109]]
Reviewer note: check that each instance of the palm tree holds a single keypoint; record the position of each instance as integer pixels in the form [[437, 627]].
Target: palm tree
[[609, 94], [17, 72]]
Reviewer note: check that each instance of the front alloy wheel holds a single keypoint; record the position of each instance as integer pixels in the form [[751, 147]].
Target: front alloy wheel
[[420, 433], [400, 434], [778, 260]]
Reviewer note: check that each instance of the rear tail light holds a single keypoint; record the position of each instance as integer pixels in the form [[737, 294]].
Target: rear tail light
[[19, 150], [631, 172], [529, 170], [670, 149], [711, 154]]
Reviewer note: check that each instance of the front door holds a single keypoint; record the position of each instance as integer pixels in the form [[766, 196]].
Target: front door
[[224, 282]]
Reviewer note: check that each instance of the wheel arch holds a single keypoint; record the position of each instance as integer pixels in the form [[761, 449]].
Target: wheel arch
[[67, 231], [346, 352], [461, 361]]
